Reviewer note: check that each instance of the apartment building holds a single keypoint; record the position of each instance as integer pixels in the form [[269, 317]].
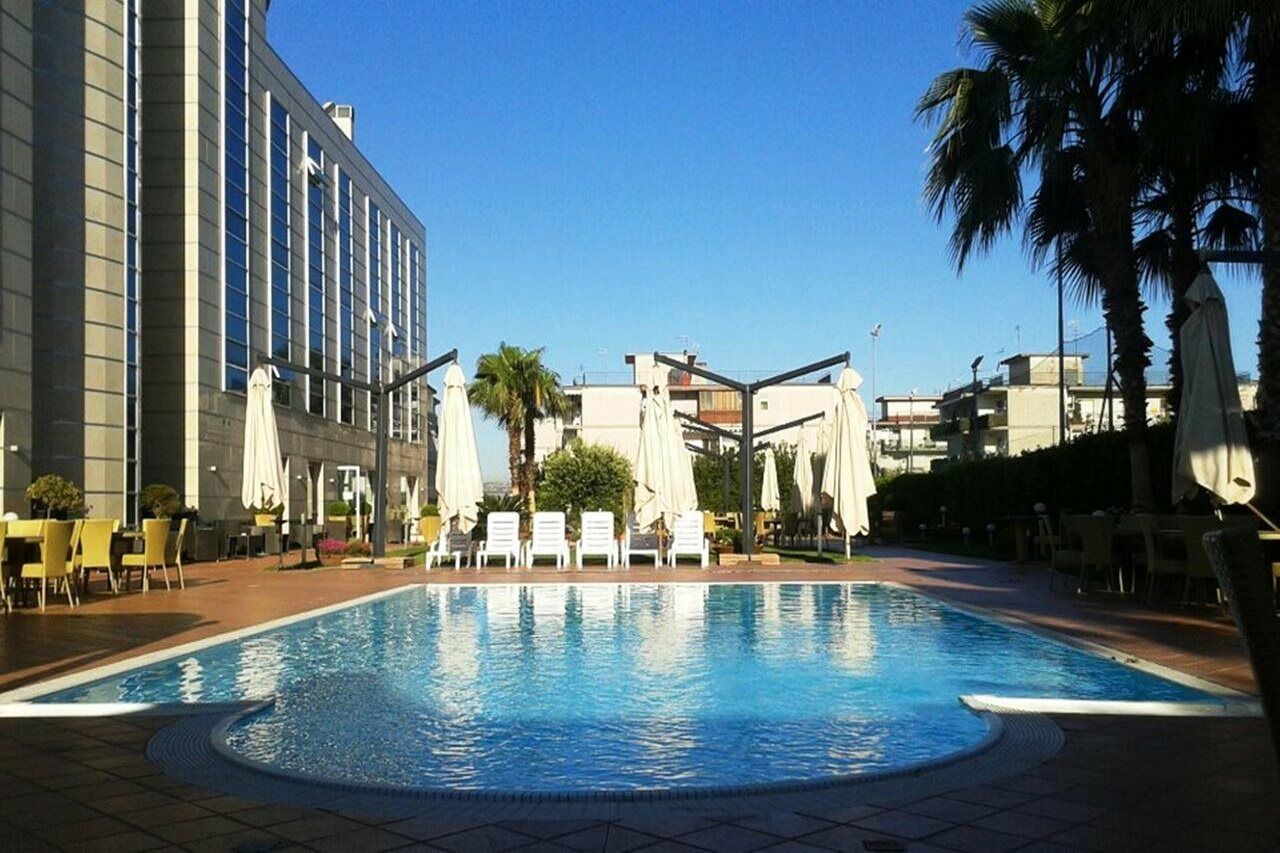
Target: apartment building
[[903, 439], [609, 413], [201, 210], [1017, 410]]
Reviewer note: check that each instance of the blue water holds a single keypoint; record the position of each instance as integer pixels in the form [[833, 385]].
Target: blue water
[[609, 687]]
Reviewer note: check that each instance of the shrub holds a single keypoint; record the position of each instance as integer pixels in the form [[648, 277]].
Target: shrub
[[364, 508], [160, 501], [358, 548], [56, 497], [338, 509], [430, 511], [585, 477], [331, 547], [708, 478], [1084, 475], [498, 503]]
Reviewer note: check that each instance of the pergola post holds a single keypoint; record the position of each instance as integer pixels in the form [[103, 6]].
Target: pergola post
[[746, 445]]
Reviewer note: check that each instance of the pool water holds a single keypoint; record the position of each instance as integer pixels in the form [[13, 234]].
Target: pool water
[[623, 687]]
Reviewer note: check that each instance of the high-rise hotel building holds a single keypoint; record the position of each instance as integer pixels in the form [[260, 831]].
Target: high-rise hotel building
[[176, 205]]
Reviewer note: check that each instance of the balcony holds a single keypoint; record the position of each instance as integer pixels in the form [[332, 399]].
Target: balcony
[[994, 420], [946, 429]]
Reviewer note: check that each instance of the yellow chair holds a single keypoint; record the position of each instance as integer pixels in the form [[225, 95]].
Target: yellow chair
[[708, 524], [18, 551], [155, 535], [1097, 542], [173, 551], [95, 552], [53, 559]]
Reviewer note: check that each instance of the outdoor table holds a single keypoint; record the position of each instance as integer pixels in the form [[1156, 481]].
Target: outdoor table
[[1020, 530]]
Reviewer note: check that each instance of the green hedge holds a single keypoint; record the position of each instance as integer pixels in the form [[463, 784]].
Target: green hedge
[[708, 478], [1088, 474]]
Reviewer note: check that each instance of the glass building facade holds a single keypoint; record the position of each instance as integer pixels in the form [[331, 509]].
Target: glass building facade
[[346, 300], [373, 236], [315, 276], [281, 253], [235, 128]]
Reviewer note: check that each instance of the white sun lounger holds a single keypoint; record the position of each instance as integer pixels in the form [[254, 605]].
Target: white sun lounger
[[502, 539], [596, 538]]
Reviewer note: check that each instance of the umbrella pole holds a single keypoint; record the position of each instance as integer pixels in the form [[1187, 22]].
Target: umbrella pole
[[1260, 515]]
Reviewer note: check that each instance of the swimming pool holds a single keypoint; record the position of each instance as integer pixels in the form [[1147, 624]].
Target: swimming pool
[[617, 687]]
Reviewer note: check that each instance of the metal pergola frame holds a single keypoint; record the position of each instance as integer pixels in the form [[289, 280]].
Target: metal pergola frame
[[748, 390], [382, 390]]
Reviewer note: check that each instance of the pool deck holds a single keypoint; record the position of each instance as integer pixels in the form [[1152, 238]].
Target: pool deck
[[1120, 783]]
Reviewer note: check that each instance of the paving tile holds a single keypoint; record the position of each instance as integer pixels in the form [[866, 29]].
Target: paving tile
[[318, 826], [1086, 837], [665, 825], [971, 839], [265, 816], [785, 824], [171, 813], [197, 830], [793, 847], [841, 814], [944, 808], [847, 839], [223, 804], [367, 839], [127, 842], [999, 798], [125, 803], [548, 828], [1063, 810], [425, 827], [903, 824], [79, 832], [728, 837], [621, 839], [482, 838], [245, 841], [1021, 823]]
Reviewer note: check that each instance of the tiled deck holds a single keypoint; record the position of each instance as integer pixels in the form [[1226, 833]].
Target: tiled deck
[[1120, 783]]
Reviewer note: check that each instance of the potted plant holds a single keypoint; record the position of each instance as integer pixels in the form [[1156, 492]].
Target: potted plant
[[331, 551], [56, 497], [725, 542], [336, 511], [160, 501], [396, 518], [429, 523], [266, 515]]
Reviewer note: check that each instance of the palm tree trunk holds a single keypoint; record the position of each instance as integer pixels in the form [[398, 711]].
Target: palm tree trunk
[[513, 457], [1122, 304], [529, 438], [1184, 265]]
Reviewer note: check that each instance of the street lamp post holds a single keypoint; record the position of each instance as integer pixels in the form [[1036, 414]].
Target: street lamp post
[[875, 438], [973, 425]]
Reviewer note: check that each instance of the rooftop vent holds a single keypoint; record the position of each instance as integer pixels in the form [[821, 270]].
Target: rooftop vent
[[344, 116]]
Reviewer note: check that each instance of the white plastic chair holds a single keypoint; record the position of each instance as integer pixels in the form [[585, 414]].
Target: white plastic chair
[[637, 541], [688, 539], [452, 542], [502, 538], [547, 539], [596, 538]]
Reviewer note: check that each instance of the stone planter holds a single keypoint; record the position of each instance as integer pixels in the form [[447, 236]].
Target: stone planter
[[264, 519], [430, 527]]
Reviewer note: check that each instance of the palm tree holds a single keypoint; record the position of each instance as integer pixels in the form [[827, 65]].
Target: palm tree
[[516, 389], [1051, 101], [1197, 174], [1247, 32]]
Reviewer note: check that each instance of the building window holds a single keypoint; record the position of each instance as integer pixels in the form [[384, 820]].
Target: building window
[[235, 190], [373, 269], [395, 246], [133, 188], [281, 237], [417, 337], [346, 301], [315, 275]]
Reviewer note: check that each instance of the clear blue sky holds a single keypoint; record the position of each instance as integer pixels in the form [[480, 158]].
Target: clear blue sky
[[616, 176]]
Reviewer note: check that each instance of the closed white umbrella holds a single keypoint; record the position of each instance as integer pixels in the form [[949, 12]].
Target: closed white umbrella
[[1210, 447], [664, 468], [262, 475], [846, 476], [459, 484], [801, 498], [770, 500]]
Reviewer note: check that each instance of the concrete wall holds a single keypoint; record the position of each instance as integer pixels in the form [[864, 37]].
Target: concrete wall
[[16, 98], [80, 247]]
